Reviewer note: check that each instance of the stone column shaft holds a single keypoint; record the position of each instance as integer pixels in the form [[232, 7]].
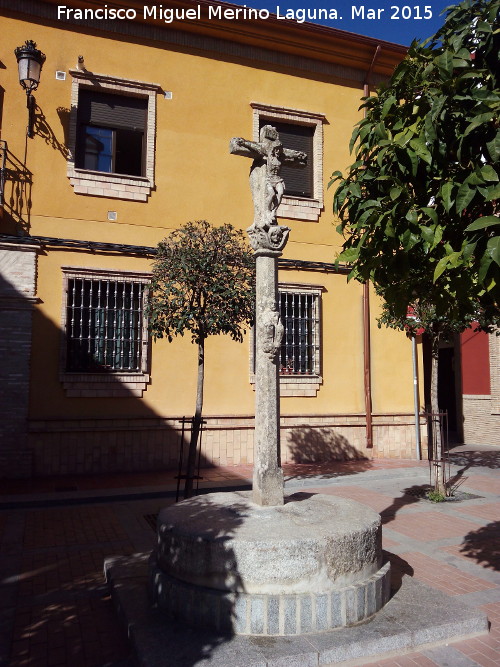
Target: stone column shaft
[[268, 474], [268, 239]]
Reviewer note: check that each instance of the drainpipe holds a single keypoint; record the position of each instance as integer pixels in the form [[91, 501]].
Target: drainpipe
[[367, 373]]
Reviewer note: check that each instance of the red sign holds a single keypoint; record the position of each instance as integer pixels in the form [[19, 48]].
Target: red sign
[[410, 315]]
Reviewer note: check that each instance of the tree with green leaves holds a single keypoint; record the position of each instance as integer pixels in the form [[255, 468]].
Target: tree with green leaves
[[203, 282], [419, 206]]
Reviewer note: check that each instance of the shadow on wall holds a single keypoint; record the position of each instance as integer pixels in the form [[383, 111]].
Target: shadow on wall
[[320, 445], [15, 190], [45, 131], [123, 433], [483, 546], [35, 565]]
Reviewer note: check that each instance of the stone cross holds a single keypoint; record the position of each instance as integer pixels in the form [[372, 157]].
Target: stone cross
[[267, 239]]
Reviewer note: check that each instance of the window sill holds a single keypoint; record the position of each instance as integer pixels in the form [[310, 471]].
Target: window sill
[[300, 208], [116, 186], [104, 385], [297, 385]]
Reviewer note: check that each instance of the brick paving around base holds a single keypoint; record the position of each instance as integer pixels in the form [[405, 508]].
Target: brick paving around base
[[55, 608]]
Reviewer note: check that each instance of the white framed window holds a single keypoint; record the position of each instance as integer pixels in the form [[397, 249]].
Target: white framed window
[[298, 130], [104, 349], [300, 353], [112, 136]]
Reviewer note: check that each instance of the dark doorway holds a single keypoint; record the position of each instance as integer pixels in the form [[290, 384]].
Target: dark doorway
[[447, 396], [449, 380]]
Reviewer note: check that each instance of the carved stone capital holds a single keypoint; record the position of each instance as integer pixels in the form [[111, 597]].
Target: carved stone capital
[[274, 238]]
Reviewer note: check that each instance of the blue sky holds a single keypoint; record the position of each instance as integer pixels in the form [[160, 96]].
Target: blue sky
[[398, 22]]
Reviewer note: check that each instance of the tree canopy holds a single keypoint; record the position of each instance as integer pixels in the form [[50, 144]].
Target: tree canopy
[[419, 206], [203, 282]]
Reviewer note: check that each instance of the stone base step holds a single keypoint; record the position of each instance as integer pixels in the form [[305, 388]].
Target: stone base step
[[269, 615], [415, 616]]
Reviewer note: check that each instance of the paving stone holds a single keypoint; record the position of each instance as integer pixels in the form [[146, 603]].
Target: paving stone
[[240, 614], [257, 616], [290, 615], [361, 603], [273, 618], [447, 655], [371, 599], [434, 616], [322, 612], [338, 614], [286, 651], [305, 614], [373, 638], [123, 566], [350, 605]]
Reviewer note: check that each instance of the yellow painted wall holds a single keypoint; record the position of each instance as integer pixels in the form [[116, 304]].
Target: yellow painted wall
[[195, 178]]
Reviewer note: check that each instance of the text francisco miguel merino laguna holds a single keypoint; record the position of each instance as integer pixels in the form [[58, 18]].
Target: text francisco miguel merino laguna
[[169, 14]]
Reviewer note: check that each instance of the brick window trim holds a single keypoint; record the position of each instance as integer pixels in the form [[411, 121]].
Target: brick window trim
[[296, 385], [297, 208], [121, 384], [101, 184]]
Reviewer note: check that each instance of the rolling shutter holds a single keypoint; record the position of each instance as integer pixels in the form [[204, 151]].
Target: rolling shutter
[[298, 182], [108, 110]]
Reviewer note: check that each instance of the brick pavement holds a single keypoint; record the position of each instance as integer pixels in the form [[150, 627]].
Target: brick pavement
[[56, 609]]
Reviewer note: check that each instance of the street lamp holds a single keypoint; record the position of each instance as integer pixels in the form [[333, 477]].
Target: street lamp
[[29, 63]]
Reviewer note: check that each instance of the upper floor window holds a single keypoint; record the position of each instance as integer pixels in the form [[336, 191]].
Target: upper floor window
[[303, 131], [111, 133], [298, 182], [112, 136]]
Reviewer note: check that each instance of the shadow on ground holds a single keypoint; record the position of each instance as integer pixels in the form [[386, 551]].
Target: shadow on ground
[[410, 496], [399, 568], [476, 459], [483, 546]]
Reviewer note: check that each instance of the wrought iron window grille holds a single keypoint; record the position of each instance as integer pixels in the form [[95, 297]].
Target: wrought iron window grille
[[104, 325], [300, 346]]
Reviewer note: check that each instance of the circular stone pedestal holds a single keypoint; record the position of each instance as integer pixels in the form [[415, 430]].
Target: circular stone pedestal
[[227, 564]]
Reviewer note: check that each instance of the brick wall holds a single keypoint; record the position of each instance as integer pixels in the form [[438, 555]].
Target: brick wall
[[114, 445], [481, 412], [17, 290]]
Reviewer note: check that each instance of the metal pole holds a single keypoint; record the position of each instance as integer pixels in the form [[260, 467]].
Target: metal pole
[[415, 396]]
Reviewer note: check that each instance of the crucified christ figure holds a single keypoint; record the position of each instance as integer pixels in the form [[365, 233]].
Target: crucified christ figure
[[265, 180]]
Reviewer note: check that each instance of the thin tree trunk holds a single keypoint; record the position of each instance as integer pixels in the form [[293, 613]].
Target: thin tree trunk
[[195, 431], [436, 436]]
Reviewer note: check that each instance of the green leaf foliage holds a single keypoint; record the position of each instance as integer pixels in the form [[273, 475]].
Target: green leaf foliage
[[418, 208], [481, 223], [203, 282]]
